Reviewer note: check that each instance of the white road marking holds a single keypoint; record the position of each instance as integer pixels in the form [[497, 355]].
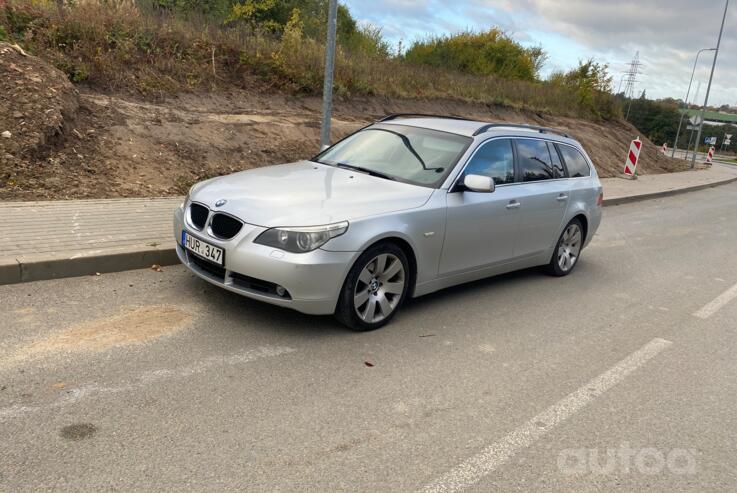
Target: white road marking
[[474, 469], [711, 308], [72, 396]]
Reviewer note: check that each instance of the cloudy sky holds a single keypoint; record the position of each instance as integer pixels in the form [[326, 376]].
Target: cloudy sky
[[667, 33]]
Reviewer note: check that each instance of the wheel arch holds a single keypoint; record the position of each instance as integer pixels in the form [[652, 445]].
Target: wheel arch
[[409, 252], [584, 224]]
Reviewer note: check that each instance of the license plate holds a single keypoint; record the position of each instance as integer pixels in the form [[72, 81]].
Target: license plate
[[203, 249]]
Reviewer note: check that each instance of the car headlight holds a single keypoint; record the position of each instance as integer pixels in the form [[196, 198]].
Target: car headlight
[[186, 198], [301, 240]]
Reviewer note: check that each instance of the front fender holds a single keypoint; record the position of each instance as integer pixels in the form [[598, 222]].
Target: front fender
[[423, 229]]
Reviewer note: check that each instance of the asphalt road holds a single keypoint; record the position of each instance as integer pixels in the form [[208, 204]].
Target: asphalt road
[[622, 376]]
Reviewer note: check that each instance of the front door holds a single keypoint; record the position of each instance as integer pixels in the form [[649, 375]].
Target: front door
[[480, 227]]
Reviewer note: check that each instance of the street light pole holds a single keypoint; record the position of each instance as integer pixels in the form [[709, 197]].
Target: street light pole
[[708, 88], [693, 127], [685, 101], [327, 88]]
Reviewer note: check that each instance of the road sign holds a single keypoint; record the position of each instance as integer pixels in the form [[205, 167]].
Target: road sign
[[630, 166], [710, 141], [727, 139]]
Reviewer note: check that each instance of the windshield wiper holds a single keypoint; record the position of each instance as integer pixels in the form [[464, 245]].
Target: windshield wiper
[[371, 172], [411, 149]]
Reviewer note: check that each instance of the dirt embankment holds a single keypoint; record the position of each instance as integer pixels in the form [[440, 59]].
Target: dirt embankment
[[63, 144]]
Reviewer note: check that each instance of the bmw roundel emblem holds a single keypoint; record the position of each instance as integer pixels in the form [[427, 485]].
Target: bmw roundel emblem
[[221, 203]]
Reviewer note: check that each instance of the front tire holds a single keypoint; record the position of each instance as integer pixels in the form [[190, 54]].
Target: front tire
[[568, 250], [375, 288]]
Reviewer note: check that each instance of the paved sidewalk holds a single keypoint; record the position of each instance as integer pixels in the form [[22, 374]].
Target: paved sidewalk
[[55, 239], [622, 190]]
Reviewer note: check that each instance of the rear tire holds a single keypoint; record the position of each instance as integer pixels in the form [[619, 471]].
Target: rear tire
[[375, 288], [567, 251]]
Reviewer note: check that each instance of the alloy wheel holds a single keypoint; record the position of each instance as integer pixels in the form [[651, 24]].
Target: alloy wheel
[[570, 247], [379, 288]]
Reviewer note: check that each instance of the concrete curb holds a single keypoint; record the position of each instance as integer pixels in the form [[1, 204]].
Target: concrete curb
[[45, 267], [665, 193]]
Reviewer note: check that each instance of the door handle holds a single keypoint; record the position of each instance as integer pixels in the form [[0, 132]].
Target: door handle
[[513, 204], [562, 197]]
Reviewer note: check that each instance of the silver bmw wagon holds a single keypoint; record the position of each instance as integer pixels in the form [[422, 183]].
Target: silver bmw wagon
[[401, 208]]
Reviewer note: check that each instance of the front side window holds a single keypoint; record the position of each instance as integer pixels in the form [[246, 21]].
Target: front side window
[[494, 159], [575, 162], [534, 160], [409, 154]]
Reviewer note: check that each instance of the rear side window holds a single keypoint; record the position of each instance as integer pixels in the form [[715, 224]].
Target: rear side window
[[535, 162], [575, 162], [559, 171], [495, 160]]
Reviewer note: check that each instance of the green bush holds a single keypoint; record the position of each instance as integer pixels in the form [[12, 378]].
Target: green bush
[[3, 34], [274, 15], [592, 85], [486, 53], [20, 18]]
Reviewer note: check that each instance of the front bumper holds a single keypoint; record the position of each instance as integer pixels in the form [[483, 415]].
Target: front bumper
[[313, 280]]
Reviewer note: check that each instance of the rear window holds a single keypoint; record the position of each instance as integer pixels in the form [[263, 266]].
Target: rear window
[[575, 162]]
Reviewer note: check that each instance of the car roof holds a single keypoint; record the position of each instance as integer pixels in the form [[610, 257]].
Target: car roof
[[451, 125], [474, 128]]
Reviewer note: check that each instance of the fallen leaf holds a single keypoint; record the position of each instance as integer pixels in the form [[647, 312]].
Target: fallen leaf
[[370, 365], [157, 268], [59, 385]]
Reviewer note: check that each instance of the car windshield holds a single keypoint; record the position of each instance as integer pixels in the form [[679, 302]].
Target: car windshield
[[414, 155]]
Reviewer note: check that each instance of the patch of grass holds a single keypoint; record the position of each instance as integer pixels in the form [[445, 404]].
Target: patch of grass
[[118, 46]]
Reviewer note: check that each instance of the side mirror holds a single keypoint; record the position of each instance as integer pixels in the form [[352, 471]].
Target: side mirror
[[478, 183]]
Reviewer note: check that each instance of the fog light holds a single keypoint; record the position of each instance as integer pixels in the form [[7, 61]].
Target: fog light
[[280, 291]]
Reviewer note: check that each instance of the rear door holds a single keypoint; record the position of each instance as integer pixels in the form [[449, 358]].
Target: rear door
[[481, 227], [544, 191]]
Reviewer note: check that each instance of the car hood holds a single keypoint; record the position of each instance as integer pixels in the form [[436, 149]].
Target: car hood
[[306, 194]]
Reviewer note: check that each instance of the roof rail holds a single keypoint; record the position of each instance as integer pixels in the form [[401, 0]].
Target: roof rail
[[542, 130], [420, 115]]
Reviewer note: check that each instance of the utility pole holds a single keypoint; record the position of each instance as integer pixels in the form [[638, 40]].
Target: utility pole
[[708, 88], [685, 101], [327, 87], [631, 79]]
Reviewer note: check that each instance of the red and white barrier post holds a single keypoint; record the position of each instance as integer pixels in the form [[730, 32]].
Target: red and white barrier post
[[664, 149], [630, 166], [710, 156]]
